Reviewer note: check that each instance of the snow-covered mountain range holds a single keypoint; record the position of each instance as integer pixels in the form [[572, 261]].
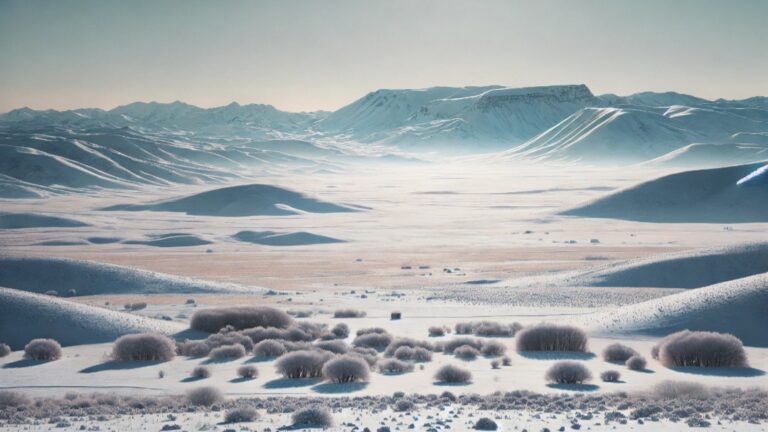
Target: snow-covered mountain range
[[156, 143]]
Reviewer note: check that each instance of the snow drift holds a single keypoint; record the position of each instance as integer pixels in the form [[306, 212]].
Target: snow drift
[[271, 238], [91, 278], [701, 196], [32, 220], [244, 200], [738, 307], [25, 316]]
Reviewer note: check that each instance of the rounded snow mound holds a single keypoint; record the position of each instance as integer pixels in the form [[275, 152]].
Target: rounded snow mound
[[271, 238], [91, 278], [738, 307], [718, 195], [32, 220], [243, 200], [25, 316]]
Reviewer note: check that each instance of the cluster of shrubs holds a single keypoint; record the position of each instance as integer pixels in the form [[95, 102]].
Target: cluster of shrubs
[[551, 337], [239, 318], [376, 338], [437, 331], [135, 306], [618, 353], [701, 349], [349, 313], [487, 328], [312, 417], [452, 374], [467, 348]]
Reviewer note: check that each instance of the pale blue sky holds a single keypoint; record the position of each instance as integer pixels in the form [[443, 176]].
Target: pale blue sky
[[307, 55]]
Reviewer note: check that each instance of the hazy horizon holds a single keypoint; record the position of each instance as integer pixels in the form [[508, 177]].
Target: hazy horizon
[[313, 56]]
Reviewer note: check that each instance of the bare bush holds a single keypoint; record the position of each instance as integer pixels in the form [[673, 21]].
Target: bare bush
[[407, 342], [200, 372], [144, 347], [333, 346], [551, 337], [293, 333], [436, 331], [680, 390], [13, 399], [487, 328], [450, 345], [377, 341], [394, 366], [702, 349], [229, 338], [193, 348], [204, 396], [43, 349], [227, 352], [348, 313], [506, 361], [403, 405], [370, 355], [346, 369], [568, 372], [5, 349], [618, 353], [495, 364], [135, 306], [486, 424], [453, 375], [466, 352], [340, 330], [610, 376], [302, 364], [493, 349], [240, 318], [417, 354], [312, 417], [269, 348], [247, 372], [241, 415], [636, 363], [369, 330]]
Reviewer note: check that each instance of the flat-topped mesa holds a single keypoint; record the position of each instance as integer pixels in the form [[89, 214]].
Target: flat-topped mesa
[[562, 93]]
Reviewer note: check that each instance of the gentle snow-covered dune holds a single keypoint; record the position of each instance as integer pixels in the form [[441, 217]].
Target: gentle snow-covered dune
[[92, 278], [25, 316], [31, 220], [271, 238], [712, 155], [739, 307], [703, 196], [171, 240], [244, 200], [690, 269]]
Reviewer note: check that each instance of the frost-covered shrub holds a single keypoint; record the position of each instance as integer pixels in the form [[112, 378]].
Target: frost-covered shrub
[[229, 338], [394, 366], [437, 331], [417, 354], [495, 364], [466, 352], [618, 353], [144, 347], [193, 348], [407, 342], [269, 348], [241, 415], [247, 371], [636, 363], [493, 349], [702, 349], [13, 399], [610, 376], [377, 341], [346, 369], [201, 372], [302, 364], [487, 328], [568, 372], [333, 346], [403, 405], [450, 345], [227, 352], [506, 361], [453, 375], [340, 331], [370, 355], [4, 350], [135, 306], [204, 396], [486, 424], [240, 318], [369, 330], [680, 390], [551, 337], [43, 349], [348, 313], [312, 417]]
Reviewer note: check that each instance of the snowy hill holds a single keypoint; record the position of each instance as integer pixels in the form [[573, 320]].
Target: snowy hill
[[734, 194]]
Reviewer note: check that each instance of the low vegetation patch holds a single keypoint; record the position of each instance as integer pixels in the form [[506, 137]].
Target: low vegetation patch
[[302, 364], [551, 337], [452, 374], [618, 353], [241, 415], [702, 349], [204, 396], [610, 376], [636, 363], [394, 366], [43, 349], [269, 348], [144, 347], [201, 372], [227, 352], [568, 372], [239, 318], [486, 424], [348, 313], [346, 369], [312, 417], [377, 341], [247, 372]]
